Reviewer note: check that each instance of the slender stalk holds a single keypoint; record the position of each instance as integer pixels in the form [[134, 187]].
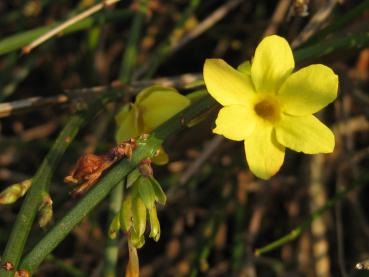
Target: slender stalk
[[130, 54], [66, 24], [115, 175], [16, 41], [116, 195], [295, 233], [111, 248], [326, 47], [41, 180]]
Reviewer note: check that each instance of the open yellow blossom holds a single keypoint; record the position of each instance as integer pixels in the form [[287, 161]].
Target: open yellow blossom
[[153, 106], [269, 107]]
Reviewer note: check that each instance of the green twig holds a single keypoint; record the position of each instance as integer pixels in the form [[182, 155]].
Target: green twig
[[116, 196], [42, 178], [111, 248], [103, 187], [129, 57], [326, 47], [70, 22], [238, 247], [17, 41], [295, 233]]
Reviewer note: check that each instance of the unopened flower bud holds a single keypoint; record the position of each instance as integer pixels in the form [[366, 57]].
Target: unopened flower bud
[[14, 192], [114, 227], [154, 224], [45, 211]]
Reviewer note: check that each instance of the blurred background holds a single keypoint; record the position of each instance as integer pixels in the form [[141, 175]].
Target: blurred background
[[217, 213]]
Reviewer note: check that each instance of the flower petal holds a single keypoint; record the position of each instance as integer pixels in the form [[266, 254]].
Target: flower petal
[[122, 114], [309, 90], [146, 92], [264, 154], [235, 122], [305, 134], [227, 85], [273, 63], [127, 125], [159, 106]]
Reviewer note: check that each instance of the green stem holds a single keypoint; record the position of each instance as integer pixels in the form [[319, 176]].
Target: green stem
[[111, 249], [116, 195], [129, 57], [41, 180], [295, 233], [238, 247], [326, 47], [17, 41], [103, 187]]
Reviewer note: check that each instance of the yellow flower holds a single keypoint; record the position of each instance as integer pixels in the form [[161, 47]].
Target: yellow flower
[[153, 106], [269, 108]]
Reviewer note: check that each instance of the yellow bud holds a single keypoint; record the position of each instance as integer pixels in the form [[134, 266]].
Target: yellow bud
[[14, 192], [114, 227], [154, 224]]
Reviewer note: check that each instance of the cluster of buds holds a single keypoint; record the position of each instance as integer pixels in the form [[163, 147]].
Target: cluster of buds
[[89, 167], [143, 192], [139, 204]]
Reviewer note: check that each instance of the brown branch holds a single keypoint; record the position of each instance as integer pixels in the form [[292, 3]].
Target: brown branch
[[34, 103]]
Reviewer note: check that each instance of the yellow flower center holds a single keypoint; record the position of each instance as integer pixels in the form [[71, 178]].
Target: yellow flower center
[[268, 109]]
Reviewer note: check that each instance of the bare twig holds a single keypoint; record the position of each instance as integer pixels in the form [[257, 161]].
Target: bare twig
[[34, 103], [318, 198], [211, 20], [316, 22], [28, 48], [277, 18]]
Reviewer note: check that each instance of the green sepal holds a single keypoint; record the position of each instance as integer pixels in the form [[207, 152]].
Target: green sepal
[[159, 193], [245, 67], [146, 192]]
